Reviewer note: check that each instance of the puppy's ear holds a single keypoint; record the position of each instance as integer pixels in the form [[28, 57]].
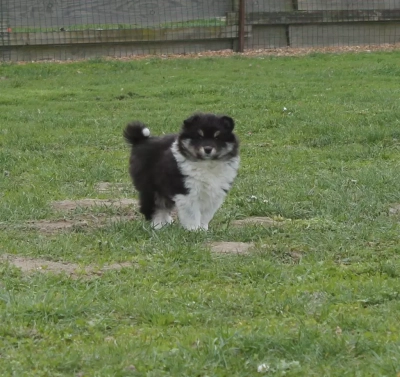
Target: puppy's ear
[[228, 123], [189, 122]]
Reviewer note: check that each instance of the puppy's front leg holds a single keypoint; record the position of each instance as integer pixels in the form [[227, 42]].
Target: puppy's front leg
[[208, 209], [188, 212]]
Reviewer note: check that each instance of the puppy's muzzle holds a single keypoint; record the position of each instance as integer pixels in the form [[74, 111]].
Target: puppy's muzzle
[[208, 150]]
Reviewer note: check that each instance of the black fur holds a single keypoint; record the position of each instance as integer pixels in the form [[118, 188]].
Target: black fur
[[133, 133], [153, 167], [155, 173]]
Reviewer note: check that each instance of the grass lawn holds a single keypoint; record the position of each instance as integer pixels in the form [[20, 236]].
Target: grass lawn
[[317, 295]]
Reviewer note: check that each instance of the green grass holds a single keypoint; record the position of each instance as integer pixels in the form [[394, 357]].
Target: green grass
[[193, 23], [328, 164]]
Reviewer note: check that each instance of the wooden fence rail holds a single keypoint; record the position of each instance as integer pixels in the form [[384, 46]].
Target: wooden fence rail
[[42, 29], [122, 36], [320, 16]]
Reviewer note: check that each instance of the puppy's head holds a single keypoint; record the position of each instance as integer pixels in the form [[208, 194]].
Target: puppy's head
[[208, 137]]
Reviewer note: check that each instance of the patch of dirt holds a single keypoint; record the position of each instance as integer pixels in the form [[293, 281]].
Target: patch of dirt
[[296, 256], [284, 51], [394, 209], [108, 187], [48, 226], [264, 221], [70, 205], [231, 247], [73, 270]]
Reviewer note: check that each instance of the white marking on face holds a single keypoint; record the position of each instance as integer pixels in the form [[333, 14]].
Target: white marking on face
[[146, 132], [227, 150], [217, 133], [189, 147], [201, 133]]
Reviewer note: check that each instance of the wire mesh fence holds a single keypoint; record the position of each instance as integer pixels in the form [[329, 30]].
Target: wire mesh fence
[[75, 29], [321, 23]]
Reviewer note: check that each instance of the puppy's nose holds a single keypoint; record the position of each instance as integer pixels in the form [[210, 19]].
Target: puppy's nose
[[208, 150]]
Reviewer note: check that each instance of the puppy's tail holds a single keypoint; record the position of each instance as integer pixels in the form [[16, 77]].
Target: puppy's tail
[[136, 133]]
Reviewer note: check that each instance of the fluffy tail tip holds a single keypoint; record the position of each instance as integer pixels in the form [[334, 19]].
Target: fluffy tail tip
[[136, 133]]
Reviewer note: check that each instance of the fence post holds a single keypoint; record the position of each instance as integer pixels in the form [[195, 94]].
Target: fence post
[[237, 17]]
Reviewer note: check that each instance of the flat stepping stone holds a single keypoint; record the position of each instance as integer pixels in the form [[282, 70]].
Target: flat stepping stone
[[394, 209], [83, 222], [231, 247], [264, 221], [72, 269], [70, 205]]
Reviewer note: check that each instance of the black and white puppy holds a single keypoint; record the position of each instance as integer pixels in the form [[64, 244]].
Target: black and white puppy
[[192, 170]]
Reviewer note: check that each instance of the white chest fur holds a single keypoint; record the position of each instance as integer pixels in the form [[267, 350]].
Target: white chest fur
[[207, 183], [209, 177]]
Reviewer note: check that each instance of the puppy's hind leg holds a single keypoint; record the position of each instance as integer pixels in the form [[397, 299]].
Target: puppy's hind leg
[[162, 213], [147, 204], [160, 218]]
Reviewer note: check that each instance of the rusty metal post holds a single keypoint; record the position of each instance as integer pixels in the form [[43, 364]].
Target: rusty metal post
[[242, 24]]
